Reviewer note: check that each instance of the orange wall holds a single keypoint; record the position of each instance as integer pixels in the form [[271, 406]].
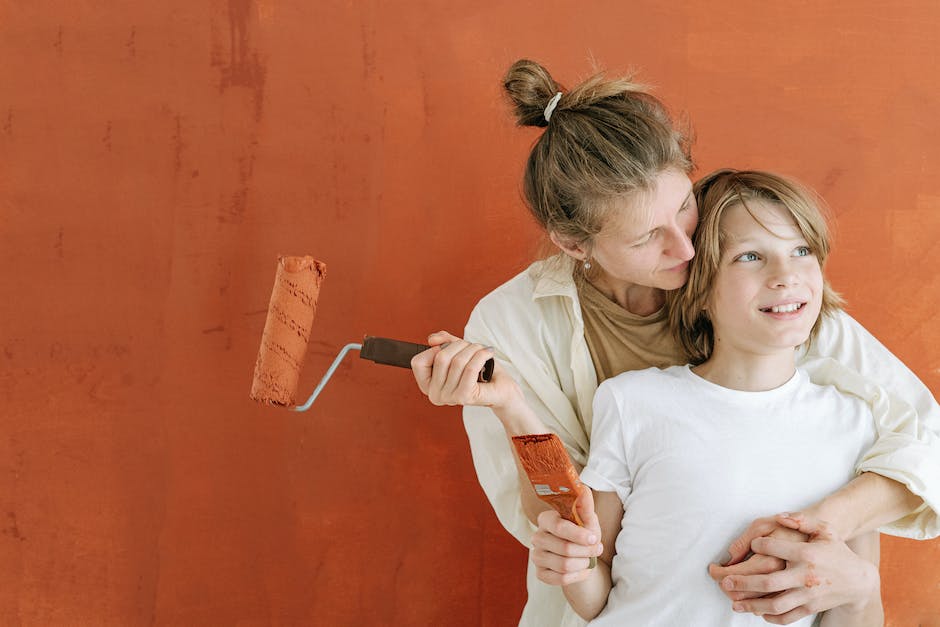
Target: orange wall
[[155, 158]]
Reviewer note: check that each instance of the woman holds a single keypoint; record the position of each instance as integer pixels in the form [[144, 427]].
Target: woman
[[609, 182]]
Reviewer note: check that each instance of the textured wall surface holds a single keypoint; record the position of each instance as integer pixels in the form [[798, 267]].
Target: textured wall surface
[[155, 158]]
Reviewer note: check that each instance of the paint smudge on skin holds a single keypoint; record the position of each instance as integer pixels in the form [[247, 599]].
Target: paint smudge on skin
[[811, 580]]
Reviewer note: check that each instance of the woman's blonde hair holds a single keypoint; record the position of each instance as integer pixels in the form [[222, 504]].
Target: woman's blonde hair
[[605, 139], [715, 193]]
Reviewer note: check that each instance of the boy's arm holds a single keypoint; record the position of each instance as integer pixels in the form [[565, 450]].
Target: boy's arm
[[589, 596], [561, 551]]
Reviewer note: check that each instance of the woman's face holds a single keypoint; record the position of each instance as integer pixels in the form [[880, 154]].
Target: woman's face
[[647, 238]]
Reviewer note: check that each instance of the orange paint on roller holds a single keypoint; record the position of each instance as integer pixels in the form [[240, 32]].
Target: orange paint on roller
[[551, 472], [287, 329]]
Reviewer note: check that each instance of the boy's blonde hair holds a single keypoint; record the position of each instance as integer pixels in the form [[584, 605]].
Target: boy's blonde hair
[[715, 193]]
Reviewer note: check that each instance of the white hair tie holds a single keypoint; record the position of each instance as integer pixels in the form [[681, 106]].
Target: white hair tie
[[551, 106]]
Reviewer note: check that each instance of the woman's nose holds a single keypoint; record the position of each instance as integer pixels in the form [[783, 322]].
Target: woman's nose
[[681, 245]]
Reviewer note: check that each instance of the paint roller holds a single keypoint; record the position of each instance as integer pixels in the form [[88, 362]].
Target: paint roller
[[286, 334]]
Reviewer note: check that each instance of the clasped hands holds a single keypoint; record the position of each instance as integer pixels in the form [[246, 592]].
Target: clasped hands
[[782, 568]]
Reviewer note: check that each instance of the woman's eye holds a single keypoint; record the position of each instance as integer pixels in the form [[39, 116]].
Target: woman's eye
[[746, 257], [642, 242], [802, 251]]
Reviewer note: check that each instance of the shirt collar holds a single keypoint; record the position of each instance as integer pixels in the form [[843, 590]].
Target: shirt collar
[[553, 277]]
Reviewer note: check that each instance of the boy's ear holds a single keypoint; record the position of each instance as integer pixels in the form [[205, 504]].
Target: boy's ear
[[575, 249]]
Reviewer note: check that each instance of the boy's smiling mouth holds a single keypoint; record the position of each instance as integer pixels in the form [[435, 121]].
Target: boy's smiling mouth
[[786, 308]]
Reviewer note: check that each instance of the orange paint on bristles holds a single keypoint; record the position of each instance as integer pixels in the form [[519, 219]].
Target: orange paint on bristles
[[551, 472]]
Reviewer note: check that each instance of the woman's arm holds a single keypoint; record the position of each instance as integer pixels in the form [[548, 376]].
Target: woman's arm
[[864, 504], [907, 417], [867, 612], [447, 373]]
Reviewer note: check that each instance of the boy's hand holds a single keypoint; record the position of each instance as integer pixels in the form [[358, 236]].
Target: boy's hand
[[561, 550]]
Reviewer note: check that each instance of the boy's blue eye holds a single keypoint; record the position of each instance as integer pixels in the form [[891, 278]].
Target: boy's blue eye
[[747, 257]]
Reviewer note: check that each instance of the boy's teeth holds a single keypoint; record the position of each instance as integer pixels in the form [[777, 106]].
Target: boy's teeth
[[784, 308]]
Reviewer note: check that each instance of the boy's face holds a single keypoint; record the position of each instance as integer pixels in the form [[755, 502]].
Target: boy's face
[[768, 290]]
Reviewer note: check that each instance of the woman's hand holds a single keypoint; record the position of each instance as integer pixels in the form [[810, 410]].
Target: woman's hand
[[447, 374], [820, 574], [743, 563], [561, 550]]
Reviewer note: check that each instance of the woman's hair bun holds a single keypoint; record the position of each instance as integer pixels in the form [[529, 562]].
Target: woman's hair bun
[[530, 87]]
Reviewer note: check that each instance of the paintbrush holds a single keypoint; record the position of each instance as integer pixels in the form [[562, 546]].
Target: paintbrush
[[553, 477]]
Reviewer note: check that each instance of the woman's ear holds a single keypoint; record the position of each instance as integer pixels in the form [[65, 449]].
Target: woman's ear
[[575, 249]]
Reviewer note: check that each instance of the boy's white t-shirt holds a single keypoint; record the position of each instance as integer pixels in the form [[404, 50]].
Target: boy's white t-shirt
[[694, 463]]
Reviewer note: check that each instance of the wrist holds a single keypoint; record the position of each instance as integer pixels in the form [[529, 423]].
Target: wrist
[[517, 417], [837, 516], [869, 594]]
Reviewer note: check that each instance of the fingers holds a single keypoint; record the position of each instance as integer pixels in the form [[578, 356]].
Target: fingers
[[812, 527], [584, 510], [788, 617], [736, 581], [561, 550], [422, 365], [454, 371], [441, 337], [754, 565], [763, 584], [786, 549], [793, 602], [741, 546]]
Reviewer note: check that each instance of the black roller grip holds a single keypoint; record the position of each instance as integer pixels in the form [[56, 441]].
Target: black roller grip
[[383, 350]]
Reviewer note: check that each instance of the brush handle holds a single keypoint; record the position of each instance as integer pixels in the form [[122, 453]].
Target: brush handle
[[383, 350]]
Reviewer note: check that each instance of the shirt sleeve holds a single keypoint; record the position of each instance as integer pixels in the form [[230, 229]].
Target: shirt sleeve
[[607, 469], [493, 457], [906, 414]]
